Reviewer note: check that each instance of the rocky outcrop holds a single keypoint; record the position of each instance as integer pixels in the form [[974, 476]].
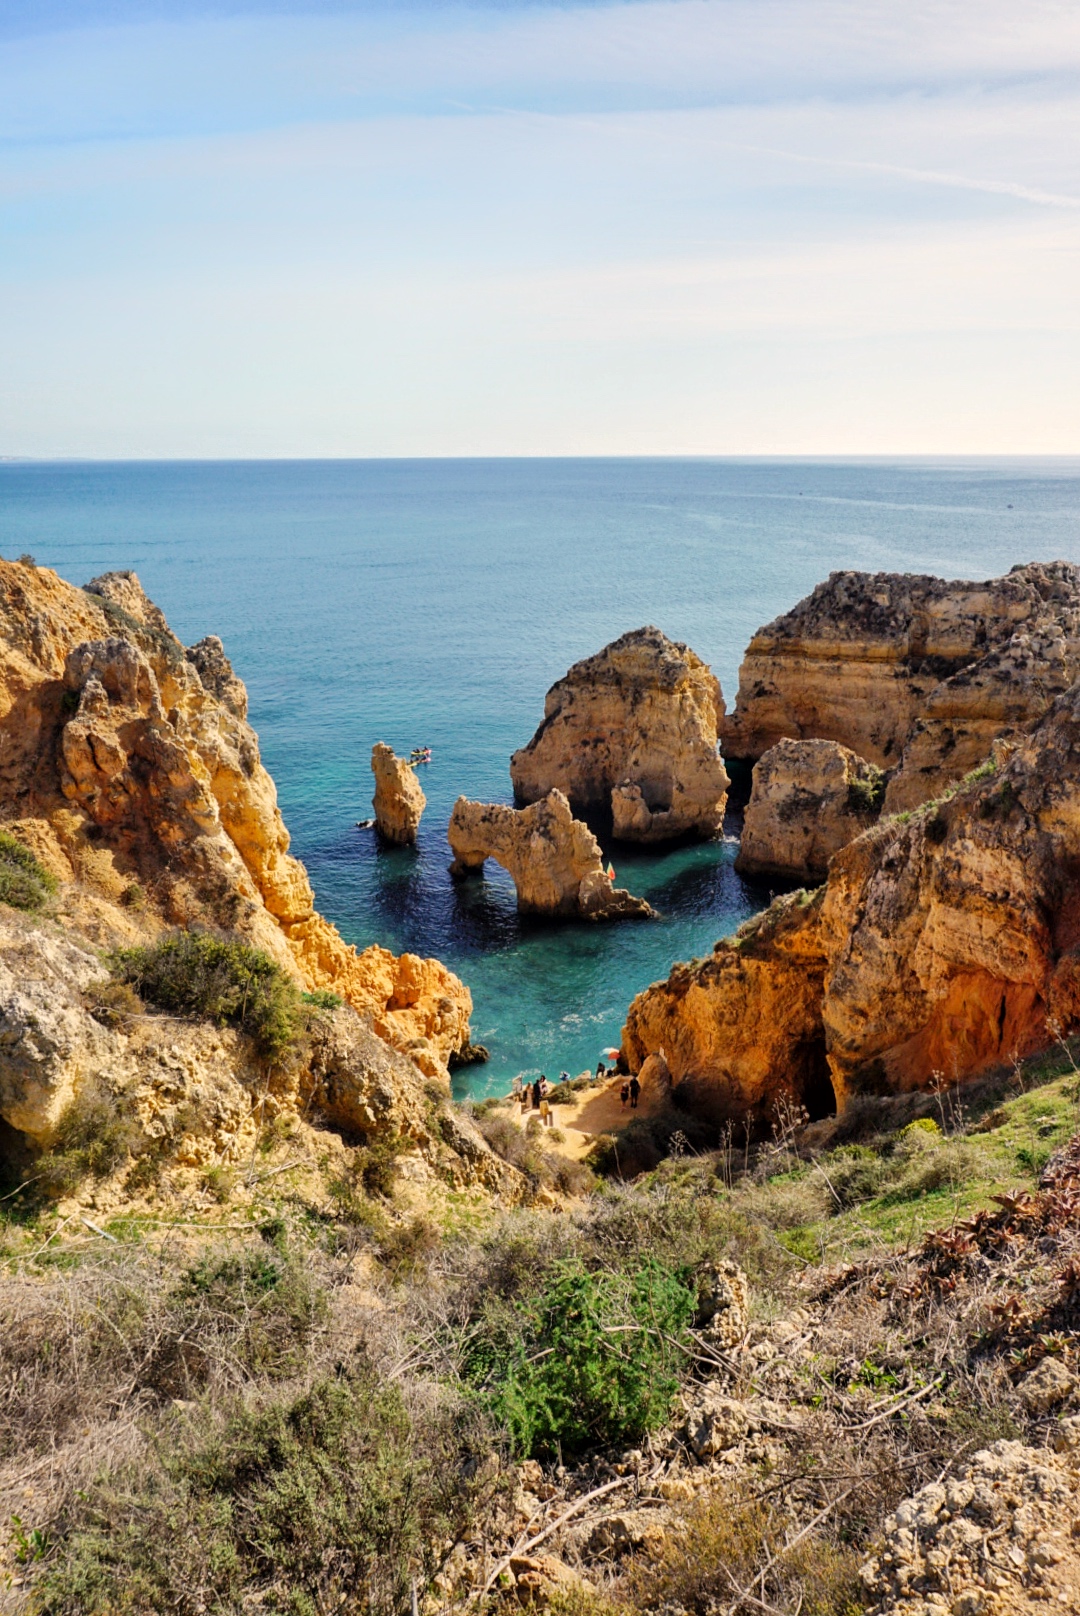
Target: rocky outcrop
[[398, 801], [994, 1538], [942, 944], [553, 859], [132, 761], [632, 730], [809, 799], [882, 661]]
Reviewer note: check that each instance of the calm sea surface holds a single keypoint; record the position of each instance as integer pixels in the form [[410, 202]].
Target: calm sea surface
[[434, 602]]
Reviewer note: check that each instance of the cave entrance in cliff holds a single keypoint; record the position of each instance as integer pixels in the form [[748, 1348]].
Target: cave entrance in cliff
[[815, 1081]]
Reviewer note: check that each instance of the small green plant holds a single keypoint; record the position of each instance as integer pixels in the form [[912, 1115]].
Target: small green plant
[[323, 999], [133, 896], [866, 792], [589, 1358], [29, 1543], [25, 883], [222, 979]]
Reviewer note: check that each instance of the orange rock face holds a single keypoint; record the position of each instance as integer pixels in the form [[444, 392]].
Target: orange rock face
[[133, 760], [942, 944]]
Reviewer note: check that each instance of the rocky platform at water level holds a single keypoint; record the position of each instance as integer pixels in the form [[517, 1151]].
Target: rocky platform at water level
[[553, 859], [633, 731], [944, 942], [398, 801]]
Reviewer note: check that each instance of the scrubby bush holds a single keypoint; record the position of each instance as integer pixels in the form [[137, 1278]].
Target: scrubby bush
[[222, 979], [25, 883], [331, 1501], [93, 1138], [589, 1358], [523, 1149], [323, 999], [112, 1003], [866, 792]]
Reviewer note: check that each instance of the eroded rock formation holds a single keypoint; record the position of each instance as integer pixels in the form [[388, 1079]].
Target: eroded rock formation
[[941, 945], [398, 801], [632, 729], [882, 662], [553, 859], [809, 799], [129, 765]]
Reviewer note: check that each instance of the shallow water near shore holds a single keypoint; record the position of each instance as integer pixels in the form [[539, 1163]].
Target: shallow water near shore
[[434, 602]]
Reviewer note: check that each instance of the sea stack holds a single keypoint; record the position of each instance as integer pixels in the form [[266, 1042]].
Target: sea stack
[[809, 799], [398, 801], [553, 859], [632, 731]]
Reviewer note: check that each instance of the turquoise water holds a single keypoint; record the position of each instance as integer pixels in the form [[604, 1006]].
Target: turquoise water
[[435, 602]]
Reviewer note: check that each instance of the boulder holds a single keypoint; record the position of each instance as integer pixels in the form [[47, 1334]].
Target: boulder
[[809, 799], [715, 1423], [398, 801], [553, 859], [1050, 1384], [723, 1301], [632, 730]]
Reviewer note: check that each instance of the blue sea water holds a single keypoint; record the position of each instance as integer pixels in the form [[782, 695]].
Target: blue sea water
[[434, 602]]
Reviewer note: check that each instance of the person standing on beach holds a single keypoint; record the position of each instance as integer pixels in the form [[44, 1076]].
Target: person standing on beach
[[635, 1090], [624, 1094]]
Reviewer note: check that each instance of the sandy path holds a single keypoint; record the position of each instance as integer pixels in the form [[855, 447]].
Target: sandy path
[[594, 1111]]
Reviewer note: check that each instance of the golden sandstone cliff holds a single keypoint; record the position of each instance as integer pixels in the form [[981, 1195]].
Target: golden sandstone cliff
[[633, 731], [809, 799], [398, 801], [944, 942], [128, 768], [553, 859]]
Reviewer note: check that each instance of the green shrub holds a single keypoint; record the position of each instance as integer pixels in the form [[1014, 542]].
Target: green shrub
[[93, 1138], [331, 1501], [194, 973], [111, 1002], [866, 792], [323, 999], [855, 1174], [587, 1359], [24, 882]]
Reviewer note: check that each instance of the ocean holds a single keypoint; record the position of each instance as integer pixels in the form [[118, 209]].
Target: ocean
[[434, 602]]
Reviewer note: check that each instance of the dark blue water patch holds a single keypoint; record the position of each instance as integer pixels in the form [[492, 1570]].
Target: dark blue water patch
[[434, 602]]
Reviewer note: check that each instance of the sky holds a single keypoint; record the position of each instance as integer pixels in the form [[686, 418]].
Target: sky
[[668, 227]]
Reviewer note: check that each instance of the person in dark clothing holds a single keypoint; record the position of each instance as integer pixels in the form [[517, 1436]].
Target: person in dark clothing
[[635, 1090], [624, 1093], [536, 1093]]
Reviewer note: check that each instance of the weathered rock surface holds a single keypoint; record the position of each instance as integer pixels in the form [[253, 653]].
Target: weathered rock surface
[[883, 661], [398, 801], [947, 942], [129, 761], [809, 799], [553, 859], [993, 1540], [632, 729]]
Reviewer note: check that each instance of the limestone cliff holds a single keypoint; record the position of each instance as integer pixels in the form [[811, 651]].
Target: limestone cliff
[[943, 943], [632, 729], [881, 661], [130, 769], [554, 859], [809, 799], [398, 801]]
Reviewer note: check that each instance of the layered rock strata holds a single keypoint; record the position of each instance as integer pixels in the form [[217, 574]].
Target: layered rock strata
[[553, 859], [809, 799], [633, 731], [941, 945], [127, 765], [885, 662], [398, 801]]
